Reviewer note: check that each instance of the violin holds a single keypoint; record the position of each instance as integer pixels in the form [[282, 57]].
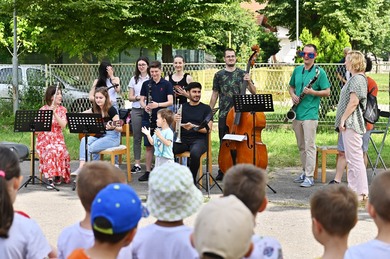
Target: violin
[[252, 150]]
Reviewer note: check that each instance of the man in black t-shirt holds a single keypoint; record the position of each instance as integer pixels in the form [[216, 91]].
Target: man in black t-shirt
[[156, 93], [194, 138]]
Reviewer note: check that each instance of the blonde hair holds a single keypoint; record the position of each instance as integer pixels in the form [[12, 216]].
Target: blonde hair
[[357, 60]]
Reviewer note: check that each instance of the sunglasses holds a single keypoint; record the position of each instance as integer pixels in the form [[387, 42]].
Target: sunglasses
[[310, 55]]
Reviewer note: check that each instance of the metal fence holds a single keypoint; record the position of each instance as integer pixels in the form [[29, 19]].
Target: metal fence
[[268, 78]]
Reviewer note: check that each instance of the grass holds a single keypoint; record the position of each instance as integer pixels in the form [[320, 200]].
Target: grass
[[280, 142]]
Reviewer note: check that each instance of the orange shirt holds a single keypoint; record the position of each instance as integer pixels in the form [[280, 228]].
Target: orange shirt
[[371, 84], [78, 254]]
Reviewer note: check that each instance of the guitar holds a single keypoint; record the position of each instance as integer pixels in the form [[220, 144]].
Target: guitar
[[118, 123]]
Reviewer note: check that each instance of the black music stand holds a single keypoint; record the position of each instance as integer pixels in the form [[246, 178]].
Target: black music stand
[[85, 123], [254, 103], [208, 174], [33, 121]]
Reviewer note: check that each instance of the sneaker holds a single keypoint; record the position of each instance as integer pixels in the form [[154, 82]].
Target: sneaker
[[300, 178], [50, 184], [308, 182], [57, 180], [136, 169], [75, 173], [219, 176], [333, 182], [144, 177]]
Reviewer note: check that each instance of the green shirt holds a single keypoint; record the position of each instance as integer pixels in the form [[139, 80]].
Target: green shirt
[[308, 108], [227, 84]]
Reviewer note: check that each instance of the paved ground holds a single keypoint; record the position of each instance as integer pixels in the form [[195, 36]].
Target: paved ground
[[287, 217]]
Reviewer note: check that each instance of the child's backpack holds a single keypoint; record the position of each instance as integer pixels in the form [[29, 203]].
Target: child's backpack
[[371, 113]]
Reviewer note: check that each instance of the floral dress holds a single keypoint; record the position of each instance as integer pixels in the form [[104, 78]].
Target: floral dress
[[54, 159]]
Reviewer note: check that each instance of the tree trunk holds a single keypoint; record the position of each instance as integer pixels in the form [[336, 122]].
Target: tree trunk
[[167, 54]]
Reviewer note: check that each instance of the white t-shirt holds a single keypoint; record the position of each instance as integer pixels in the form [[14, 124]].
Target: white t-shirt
[[137, 88], [154, 241], [75, 236], [265, 247], [374, 249], [25, 240]]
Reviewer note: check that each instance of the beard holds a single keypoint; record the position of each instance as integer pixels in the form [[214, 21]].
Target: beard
[[230, 65]]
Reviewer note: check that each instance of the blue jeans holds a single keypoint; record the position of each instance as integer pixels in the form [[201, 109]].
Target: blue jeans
[[95, 145]]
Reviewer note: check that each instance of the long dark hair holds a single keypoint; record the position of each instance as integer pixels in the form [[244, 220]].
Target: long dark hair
[[137, 73], [103, 75], [107, 104], [9, 168], [50, 92]]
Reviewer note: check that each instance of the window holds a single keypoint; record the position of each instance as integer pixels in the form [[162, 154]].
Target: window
[[6, 76]]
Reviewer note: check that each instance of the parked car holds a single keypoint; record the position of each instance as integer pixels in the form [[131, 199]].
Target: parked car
[[36, 76]]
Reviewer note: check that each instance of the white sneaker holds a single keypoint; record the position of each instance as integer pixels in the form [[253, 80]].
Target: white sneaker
[[75, 173]]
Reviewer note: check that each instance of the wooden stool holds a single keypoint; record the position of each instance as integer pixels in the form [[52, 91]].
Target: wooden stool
[[325, 150]]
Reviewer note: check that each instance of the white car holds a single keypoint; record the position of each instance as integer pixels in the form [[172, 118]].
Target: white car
[[35, 75]]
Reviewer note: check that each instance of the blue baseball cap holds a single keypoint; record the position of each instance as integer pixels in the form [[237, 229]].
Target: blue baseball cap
[[120, 205]]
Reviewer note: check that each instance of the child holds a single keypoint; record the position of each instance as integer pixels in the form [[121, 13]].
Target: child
[[162, 139], [115, 213], [172, 197], [93, 177], [378, 207], [334, 214], [248, 184], [223, 229], [20, 236]]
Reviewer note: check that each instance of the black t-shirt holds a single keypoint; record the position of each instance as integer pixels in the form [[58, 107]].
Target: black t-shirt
[[160, 92], [195, 115], [182, 83]]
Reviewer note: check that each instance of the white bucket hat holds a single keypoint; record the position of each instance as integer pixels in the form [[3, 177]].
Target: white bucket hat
[[172, 193]]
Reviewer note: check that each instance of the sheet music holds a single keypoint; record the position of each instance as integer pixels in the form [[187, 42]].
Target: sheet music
[[235, 137]]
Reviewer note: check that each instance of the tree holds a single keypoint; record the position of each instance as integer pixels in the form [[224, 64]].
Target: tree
[[362, 20]]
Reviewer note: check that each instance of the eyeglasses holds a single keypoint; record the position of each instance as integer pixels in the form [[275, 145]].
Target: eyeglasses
[[310, 55]]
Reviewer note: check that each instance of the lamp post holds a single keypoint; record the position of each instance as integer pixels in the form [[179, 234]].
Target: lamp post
[[15, 83]]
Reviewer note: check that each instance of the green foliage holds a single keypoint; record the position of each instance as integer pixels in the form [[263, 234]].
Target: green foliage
[[329, 46], [269, 45], [366, 22]]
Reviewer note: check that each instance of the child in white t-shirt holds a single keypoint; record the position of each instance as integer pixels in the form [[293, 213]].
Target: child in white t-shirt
[[334, 212], [20, 236], [379, 209], [93, 177], [162, 138], [248, 184], [172, 197]]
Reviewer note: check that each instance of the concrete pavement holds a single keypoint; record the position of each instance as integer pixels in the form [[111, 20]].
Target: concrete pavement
[[287, 217]]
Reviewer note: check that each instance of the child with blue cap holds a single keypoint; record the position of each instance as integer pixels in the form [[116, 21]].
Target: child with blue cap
[[115, 214]]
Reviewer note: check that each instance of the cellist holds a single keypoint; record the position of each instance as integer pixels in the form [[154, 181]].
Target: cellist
[[228, 82]]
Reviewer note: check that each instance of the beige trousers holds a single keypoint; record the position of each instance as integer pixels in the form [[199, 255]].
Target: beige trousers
[[305, 133]]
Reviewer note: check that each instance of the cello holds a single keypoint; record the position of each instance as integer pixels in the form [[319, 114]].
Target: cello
[[250, 151]]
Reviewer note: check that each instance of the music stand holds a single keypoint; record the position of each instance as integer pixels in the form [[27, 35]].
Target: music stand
[[254, 103], [208, 174], [33, 121], [86, 123]]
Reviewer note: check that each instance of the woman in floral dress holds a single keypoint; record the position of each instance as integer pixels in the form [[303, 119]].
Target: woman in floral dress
[[54, 159]]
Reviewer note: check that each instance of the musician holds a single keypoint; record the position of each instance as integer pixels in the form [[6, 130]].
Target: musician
[[193, 114], [54, 159], [306, 121], [179, 80], [111, 138], [156, 93], [141, 74], [228, 82], [107, 79]]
